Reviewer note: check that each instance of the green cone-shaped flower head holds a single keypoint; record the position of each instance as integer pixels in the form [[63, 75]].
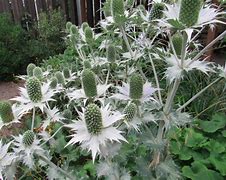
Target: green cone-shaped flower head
[[177, 40], [117, 10], [107, 8], [130, 111], [89, 34], [87, 64], [130, 3], [93, 119], [60, 77], [67, 114], [30, 69], [37, 72], [68, 26], [66, 72], [34, 91], [189, 12], [136, 86], [89, 83], [28, 138], [6, 112], [74, 30], [111, 53], [156, 11], [53, 83], [84, 26]]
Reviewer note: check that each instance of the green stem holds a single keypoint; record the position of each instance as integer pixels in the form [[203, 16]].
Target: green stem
[[52, 136], [156, 79], [197, 95], [183, 50], [171, 96], [66, 174], [33, 120]]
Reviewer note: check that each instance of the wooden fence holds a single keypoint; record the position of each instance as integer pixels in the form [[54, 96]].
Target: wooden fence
[[76, 11]]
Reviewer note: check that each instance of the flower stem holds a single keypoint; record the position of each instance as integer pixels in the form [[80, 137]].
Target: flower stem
[[33, 120], [52, 135], [197, 95], [156, 79], [183, 50], [126, 41], [208, 46], [66, 174]]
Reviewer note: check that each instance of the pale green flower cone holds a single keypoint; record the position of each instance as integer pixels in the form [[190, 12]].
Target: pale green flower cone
[[117, 10], [60, 77], [28, 138], [93, 119], [136, 86], [156, 11], [189, 12], [89, 34], [130, 111], [6, 112], [177, 40], [66, 72], [37, 72], [30, 69], [34, 91], [68, 26], [74, 30], [53, 83], [87, 64], [84, 26], [111, 53], [89, 83], [107, 8]]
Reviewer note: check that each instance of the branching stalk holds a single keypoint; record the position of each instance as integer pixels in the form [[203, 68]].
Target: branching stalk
[[156, 79], [66, 174], [33, 120], [197, 95]]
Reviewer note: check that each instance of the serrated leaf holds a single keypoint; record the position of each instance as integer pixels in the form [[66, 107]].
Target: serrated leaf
[[220, 164], [217, 122]]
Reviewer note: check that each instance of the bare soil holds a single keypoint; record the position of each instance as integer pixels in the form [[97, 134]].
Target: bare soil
[[9, 90]]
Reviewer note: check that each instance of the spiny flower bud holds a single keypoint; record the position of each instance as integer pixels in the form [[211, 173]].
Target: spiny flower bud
[[136, 86], [111, 54], [93, 119], [67, 114], [53, 83], [86, 64], [37, 72], [74, 30], [6, 112], [28, 138], [30, 69], [117, 10], [60, 77], [84, 26], [130, 111], [68, 26], [107, 8], [34, 91], [89, 83], [156, 11], [177, 40], [89, 34], [66, 72], [189, 12], [130, 3]]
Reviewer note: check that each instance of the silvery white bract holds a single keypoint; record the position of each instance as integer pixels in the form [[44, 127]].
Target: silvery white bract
[[25, 103], [6, 158], [208, 15], [124, 92], [175, 68], [26, 153], [93, 142]]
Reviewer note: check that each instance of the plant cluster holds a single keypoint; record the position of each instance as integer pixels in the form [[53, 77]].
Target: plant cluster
[[113, 109]]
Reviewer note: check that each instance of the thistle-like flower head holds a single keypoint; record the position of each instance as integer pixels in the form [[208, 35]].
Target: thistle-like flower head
[[30, 69], [89, 83], [95, 128], [34, 91]]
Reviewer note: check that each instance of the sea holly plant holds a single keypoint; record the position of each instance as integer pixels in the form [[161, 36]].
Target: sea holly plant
[[112, 109]]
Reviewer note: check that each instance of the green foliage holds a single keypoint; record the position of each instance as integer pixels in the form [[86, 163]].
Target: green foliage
[[201, 150], [13, 55]]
